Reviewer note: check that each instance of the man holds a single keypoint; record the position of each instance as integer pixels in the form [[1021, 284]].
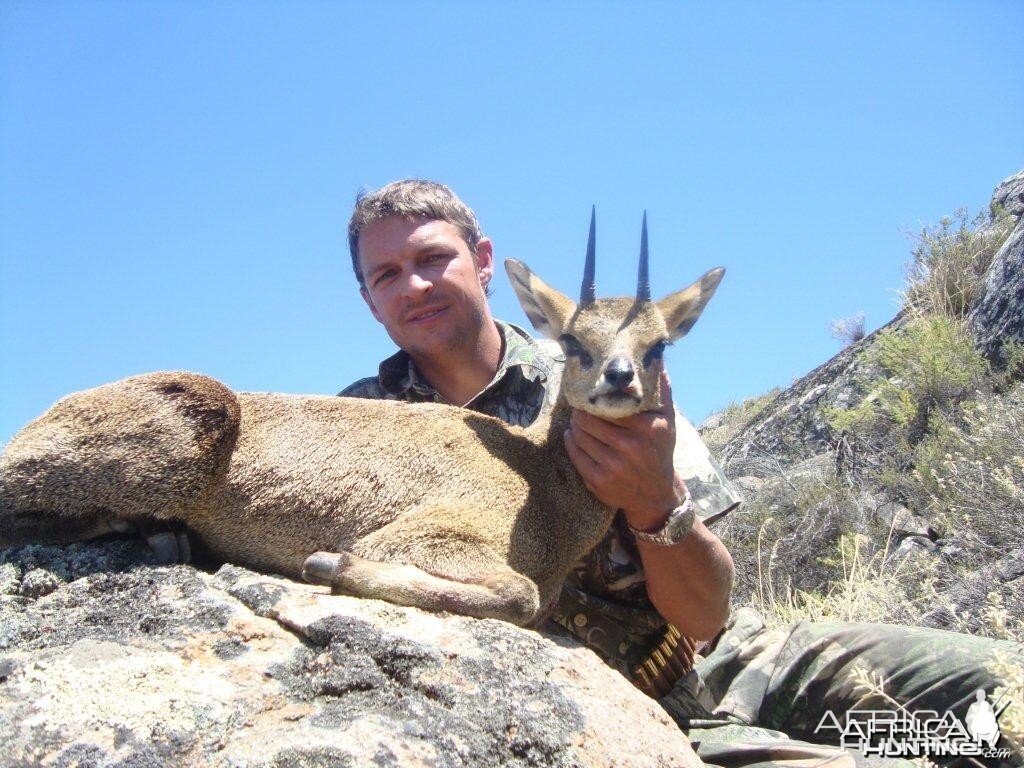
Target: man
[[647, 607], [425, 279]]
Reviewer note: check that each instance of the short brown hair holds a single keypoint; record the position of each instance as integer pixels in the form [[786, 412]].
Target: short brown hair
[[413, 198]]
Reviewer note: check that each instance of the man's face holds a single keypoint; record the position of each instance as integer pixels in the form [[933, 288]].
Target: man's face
[[424, 284]]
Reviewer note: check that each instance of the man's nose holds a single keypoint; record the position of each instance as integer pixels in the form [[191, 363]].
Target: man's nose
[[416, 285]]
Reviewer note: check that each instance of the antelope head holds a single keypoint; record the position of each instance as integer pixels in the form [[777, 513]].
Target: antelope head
[[614, 346]]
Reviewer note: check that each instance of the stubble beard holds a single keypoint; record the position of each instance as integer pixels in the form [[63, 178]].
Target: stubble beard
[[460, 341]]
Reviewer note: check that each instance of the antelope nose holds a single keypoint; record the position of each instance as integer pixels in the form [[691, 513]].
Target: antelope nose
[[619, 372]]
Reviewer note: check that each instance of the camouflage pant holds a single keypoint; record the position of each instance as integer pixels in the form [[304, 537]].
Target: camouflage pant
[[760, 691]]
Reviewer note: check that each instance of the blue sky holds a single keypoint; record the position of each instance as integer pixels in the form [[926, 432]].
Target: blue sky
[[176, 177]]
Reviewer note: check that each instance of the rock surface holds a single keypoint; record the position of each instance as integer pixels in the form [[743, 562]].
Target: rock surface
[[107, 659], [1009, 195], [793, 428], [998, 314]]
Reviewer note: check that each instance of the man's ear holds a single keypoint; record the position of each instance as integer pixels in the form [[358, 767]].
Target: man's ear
[[485, 261], [369, 302], [547, 309], [682, 308]]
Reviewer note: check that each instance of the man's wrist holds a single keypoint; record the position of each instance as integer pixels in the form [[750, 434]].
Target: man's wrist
[[653, 517], [648, 519], [676, 527]]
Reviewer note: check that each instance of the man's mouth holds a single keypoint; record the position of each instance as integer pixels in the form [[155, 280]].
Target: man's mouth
[[422, 315]]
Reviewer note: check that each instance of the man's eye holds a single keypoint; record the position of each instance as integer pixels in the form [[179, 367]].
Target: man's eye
[[573, 348], [384, 276], [655, 352]]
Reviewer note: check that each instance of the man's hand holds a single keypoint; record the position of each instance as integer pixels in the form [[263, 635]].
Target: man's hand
[[627, 463]]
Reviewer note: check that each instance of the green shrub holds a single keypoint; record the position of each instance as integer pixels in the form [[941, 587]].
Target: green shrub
[[1011, 366], [934, 363], [928, 366]]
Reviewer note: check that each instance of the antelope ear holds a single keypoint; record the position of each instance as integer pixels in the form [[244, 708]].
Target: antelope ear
[[547, 309], [682, 308]]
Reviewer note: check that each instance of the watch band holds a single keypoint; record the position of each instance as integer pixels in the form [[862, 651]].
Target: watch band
[[676, 528]]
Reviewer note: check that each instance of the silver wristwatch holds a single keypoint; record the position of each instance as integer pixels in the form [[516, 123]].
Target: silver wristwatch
[[676, 528]]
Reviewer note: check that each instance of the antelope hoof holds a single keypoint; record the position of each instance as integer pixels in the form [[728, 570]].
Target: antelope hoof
[[184, 548], [170, 548], [322, 568]]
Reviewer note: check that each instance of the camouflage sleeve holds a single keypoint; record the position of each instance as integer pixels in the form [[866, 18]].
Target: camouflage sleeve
[[713, 494], [369, 388]]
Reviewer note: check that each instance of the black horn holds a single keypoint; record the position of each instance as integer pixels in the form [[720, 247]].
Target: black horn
[[643, 278], [589, 290]]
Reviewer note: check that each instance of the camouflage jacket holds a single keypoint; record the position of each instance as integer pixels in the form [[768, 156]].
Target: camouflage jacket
[[604, 601]]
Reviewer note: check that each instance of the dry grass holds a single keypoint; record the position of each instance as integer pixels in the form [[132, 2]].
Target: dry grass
[[969, 475], [869, 588], [787, 530], [849, 330], [949, 262]]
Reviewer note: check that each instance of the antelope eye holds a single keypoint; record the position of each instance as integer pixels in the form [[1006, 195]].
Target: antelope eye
[[655, 353], [573, 348]]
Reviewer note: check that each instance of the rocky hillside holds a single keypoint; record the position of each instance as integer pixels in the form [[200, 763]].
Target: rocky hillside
[[792, 427], [899, 459]]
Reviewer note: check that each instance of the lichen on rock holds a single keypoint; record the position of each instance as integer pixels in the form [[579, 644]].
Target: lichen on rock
[[117, 661]]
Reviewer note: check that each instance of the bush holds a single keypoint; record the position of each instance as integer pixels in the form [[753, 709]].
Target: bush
[[927, 367], [885, 587], [950, 261], [1010, 366], [969, 475], [782, 541], [849, 330]]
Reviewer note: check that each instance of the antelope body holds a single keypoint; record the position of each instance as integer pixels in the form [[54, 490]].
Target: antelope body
[[420, 504]]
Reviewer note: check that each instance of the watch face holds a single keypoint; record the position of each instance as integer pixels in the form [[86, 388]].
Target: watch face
[[676, 527], [679, 523], [676, 522]]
